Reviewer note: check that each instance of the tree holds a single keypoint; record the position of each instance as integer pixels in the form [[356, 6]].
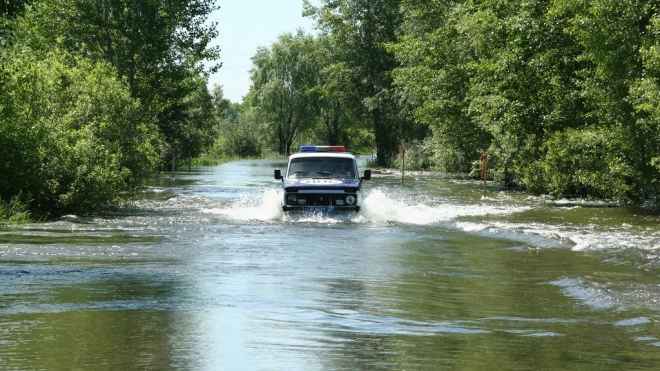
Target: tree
[[72, 138], [618, 81], [327, 101], [157, 47], [10, 9], [238, 128], [283, 78], [488, 76], [358, 32], [197, 130], [437, 55]]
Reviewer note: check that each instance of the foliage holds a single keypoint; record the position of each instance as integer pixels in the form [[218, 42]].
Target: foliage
[[417, 156], [358, 32], [612, 36], [71, 136], [95, 94], [282, 79], [14, 212], [562, 95], [10, 10], [156, 47], [327, 100], [578, 164], [237, 130], [194, 131]]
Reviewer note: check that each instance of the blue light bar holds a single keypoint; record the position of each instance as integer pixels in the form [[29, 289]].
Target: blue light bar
[[322, 148]]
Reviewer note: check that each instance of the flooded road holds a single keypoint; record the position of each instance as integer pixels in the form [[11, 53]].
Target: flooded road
[[206, 273]]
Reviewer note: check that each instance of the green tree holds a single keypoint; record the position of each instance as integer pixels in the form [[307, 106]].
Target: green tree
[[157, 47], [489, 76], [327, 101], [437, 55], [618, 86], [524, 87], [72, 138], [195, 131], [358, 32], [283, 78], [9, 10], [238, 129]]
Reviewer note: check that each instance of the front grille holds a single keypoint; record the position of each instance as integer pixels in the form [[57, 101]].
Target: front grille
[[320, 200]]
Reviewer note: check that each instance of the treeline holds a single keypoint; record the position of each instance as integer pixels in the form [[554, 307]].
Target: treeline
[[563, 95], [96, 95]]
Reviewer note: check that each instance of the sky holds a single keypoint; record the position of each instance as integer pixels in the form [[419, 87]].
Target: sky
[[244, 25]]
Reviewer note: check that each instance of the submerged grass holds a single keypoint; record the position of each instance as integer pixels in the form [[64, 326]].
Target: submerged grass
[[14, 212]]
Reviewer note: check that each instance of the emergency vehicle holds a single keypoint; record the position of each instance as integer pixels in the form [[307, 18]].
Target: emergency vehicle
[[322, 179]]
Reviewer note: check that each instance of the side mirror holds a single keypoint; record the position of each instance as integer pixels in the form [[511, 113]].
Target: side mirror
[[278, 174], [367, 175]]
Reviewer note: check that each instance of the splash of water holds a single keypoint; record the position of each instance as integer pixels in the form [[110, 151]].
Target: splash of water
[[384, 206], [264, 206], [380, 206]]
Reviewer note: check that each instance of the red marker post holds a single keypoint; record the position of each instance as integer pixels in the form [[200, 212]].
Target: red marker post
[[402, 153], [484, 169]]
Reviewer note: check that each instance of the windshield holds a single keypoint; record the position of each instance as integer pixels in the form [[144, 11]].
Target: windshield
[[321, 168]]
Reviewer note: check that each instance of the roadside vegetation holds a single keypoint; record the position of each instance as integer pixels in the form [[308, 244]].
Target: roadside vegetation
[[98, 95], [561, 95], [14, 212]]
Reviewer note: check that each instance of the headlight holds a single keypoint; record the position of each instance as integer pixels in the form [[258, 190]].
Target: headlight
[[350, 200], [291, 199]]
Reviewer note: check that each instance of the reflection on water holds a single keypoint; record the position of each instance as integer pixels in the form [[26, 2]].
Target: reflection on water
[[207, 273]]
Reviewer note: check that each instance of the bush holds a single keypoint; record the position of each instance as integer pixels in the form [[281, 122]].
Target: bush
[[578, 163], [417, 156], [73, 137], [14, 212]]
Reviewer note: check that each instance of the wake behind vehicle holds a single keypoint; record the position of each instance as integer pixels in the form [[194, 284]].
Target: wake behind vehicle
[[322, 179]]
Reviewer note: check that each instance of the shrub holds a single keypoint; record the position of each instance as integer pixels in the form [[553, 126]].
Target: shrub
[[74, 138], [14, 212], [578, 163]]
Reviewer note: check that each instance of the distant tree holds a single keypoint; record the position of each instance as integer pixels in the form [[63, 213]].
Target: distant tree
[[239, 128], [358, 32], [328, 96], [196, 133], [283, 78]]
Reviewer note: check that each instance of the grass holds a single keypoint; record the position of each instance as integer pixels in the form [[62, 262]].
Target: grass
[[14, 212]]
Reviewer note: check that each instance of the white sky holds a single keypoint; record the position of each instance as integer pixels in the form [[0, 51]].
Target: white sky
[[244, 25]]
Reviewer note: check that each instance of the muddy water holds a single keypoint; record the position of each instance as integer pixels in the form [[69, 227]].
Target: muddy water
[[206, 273]]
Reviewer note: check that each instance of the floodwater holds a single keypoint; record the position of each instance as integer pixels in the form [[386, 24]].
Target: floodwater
[[206, 273]]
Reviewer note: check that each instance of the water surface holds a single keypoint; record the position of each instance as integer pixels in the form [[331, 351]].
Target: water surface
[[206, 273]]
